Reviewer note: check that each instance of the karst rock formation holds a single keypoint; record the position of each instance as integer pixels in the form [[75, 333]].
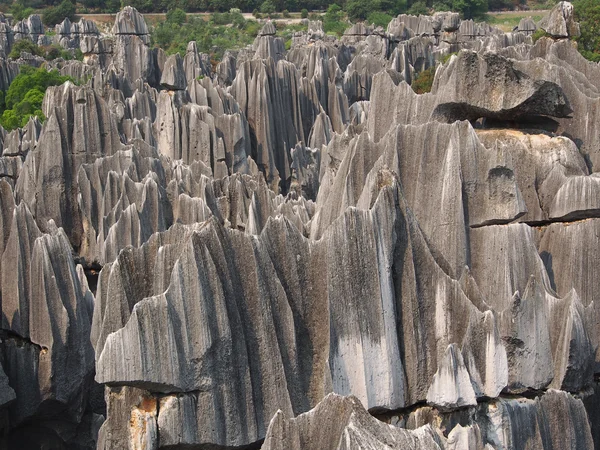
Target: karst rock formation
[[291, 249]]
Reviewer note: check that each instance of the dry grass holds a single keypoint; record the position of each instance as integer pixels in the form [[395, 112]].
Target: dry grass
[[507, 21]]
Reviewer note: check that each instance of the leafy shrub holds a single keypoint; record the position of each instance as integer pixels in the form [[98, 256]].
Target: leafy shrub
[[55, 51], [304, 13], [286, 14], [176, 16], [374, 11], [56, 14], [424, 81], [591, 56], [209, 37], [442, 5], [25, 45], [220, 18], [333, 20], [587, 12], [19, 12], [25, 95], [379, 18], [418, 8], [447, 57], [256, 13], [143, 6], [267, 7], [471, 9], [251, 28], [237, 18], [358, 9], [538, 34], [499, 5]]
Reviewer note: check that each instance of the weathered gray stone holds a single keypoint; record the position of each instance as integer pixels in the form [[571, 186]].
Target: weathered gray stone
[[560, 21], [301, 223], [173, 75], [527, 26], [505, 93], [349, 426], [130, 22]]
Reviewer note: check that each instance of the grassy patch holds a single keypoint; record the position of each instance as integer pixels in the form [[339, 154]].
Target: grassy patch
[[507, 21], [423, 81]]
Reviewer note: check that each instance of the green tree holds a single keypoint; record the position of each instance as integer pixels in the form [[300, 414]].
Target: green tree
[[112, 6], [470, 9], [442, 5], [498, 5], [358, 9], [418, 8], [25, 45], [143, 6], [176, 16], [379, 18], [333, 20], [267, 7], [587, 12], [56, 14], [423, 81], [25, 95], [20, 12]]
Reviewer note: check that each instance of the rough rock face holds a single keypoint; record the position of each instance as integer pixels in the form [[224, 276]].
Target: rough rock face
[[560, 22], [83, 34], [351, 427], [30, 28], [292, 249]]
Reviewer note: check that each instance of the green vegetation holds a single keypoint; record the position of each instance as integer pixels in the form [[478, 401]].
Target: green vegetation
[[538, 34], [56, 14], [419, 8], [20, 12], [333, 20], [224, 31], [176, 16], [423, 81], [24, 97], [268, 7], [361, 9], [471, 9], [507, 21], [447, 57], [587, 12], [287, 33], [499, 5], [25, 45], [379, 18], [50, 52]]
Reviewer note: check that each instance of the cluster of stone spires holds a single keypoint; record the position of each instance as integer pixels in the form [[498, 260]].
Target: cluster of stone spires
[[257, 254]]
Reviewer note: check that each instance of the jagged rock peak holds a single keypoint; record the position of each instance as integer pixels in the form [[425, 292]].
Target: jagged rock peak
[[83, 27], [31, 26], [560, 21], [268, 29], [475, 85], [527, 25], [173, 75], [130, 21], [349, 425]]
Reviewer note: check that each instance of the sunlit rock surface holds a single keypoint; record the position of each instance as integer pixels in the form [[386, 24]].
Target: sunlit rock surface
[[291, 249]]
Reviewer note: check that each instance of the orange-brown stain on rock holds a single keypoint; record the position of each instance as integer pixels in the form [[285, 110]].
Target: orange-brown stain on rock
[[142, 423]]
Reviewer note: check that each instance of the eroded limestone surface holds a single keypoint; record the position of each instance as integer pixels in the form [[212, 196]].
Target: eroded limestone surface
[[294, 250]]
